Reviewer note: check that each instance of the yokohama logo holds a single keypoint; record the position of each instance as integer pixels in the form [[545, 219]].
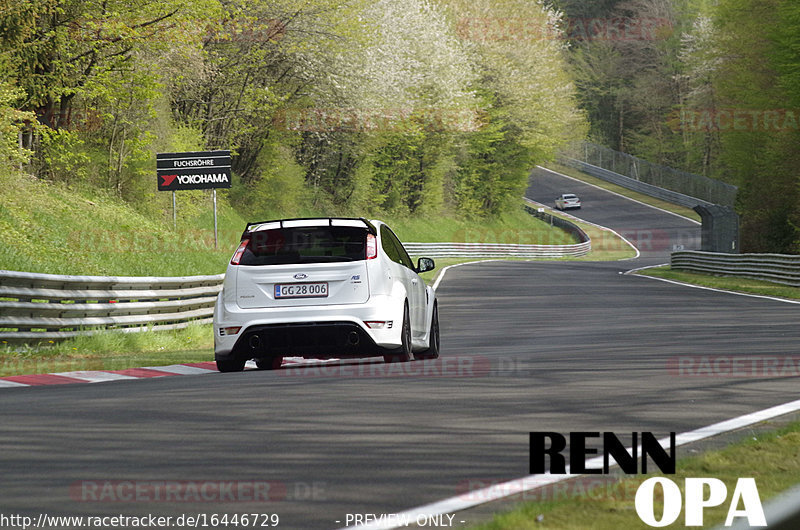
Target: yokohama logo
[[193, 170], [168, 179], [202, 179]]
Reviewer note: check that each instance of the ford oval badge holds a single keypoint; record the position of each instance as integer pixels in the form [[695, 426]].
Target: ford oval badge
[[300, 276]]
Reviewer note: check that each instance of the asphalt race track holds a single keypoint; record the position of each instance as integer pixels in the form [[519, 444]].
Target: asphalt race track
[[654, 232], [545, 346]]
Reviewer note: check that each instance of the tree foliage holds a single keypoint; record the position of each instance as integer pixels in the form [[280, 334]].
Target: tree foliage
[[757, 41], [342, 105], [718, 95]]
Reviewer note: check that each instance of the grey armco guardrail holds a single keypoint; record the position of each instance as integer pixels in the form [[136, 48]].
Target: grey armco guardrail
[[633, 184], [38, 307], [777, 268], [41, 307], [584, 242], [495, 250], [500, 250]]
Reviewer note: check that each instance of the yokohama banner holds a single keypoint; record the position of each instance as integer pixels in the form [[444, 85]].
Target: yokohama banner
[[193, 171]]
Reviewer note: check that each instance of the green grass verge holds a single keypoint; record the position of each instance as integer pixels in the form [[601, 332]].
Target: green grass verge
[[514, 226], [111, 351], [606, 245], [56, 229], [53, 228], [728, 283], [116, 351], [772, 458], [664, 205]]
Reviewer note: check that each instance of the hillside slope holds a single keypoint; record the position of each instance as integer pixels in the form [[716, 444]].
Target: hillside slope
[[56, 229]]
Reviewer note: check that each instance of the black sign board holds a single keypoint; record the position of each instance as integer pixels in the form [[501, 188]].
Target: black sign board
[[193, 171]]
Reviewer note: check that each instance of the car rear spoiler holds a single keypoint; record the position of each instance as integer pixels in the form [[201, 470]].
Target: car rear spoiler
[[369, 226]]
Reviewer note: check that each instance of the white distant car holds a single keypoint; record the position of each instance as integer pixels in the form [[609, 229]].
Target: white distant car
[[323, 288], [568, 200]]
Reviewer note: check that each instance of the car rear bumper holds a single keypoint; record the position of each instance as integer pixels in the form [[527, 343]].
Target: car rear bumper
[[322, 332], [311, 340]]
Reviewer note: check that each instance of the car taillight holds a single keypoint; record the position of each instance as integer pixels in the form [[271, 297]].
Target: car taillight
[[372, 246], [237, 256], [379, 324]]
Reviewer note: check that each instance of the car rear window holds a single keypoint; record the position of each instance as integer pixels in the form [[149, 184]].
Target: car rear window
[[316, 244]]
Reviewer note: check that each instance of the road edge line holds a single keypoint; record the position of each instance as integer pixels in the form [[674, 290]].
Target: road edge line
[[440, 276], [621, 195], [584, 221], [517, 486], [715, 289]]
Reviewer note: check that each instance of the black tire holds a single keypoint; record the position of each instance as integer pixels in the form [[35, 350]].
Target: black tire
[[433, 346], [405, 354], [231, 365], [269, 363]]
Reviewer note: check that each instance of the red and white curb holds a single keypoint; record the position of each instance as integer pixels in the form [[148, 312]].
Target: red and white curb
[[102, 376]]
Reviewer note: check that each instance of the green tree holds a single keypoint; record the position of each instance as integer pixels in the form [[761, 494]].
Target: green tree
[[12, 124], [406, 166], [757, 42], [493, 165], [93, 65], [378, 130], [526, 100]]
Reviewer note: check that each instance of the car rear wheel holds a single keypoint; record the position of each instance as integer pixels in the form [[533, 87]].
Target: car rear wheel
[[433, 345], [231, 365], [269, 363], [405, 355]]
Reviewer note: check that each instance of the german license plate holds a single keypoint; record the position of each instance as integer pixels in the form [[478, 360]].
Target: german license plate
[[301, 290]]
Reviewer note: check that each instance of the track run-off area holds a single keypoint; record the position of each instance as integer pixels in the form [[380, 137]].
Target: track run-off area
[[526, 346]]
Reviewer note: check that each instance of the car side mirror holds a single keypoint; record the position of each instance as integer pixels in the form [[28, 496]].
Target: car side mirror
[[425, 264]]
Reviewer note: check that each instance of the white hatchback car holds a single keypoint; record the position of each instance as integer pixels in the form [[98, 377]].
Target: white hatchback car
[[323, 288], [568, 200]]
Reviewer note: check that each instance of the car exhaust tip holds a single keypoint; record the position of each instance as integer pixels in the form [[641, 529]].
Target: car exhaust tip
[[353, 338], [255, 342]]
